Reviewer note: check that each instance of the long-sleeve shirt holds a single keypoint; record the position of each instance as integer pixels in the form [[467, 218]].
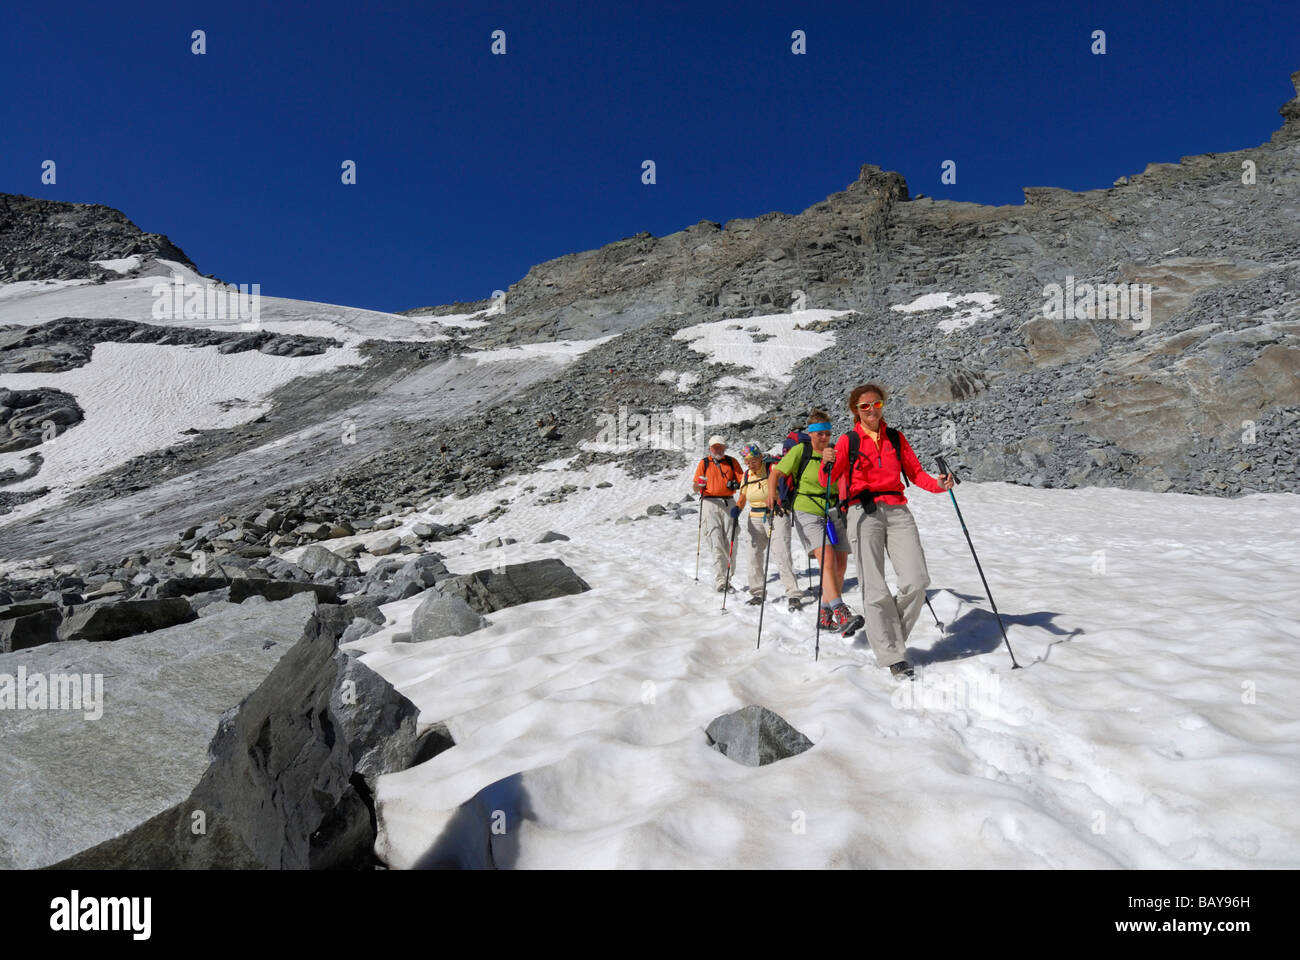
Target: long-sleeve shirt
[[877, 467]]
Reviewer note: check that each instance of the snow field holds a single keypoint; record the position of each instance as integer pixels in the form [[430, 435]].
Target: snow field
[[1124, 741]]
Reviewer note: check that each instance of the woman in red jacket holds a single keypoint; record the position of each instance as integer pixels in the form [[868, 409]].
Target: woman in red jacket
[[879, 522]]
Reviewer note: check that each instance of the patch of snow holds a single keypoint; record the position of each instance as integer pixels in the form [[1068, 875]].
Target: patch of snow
[[771, 360], [124, 265], [684, 381], [465, 321], [968, 308], [558, 351]]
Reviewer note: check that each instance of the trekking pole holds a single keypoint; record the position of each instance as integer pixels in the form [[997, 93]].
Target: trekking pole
[[943, 468], [821, 567], [698, 533], [768, 553], [726, 585], [935, 615]]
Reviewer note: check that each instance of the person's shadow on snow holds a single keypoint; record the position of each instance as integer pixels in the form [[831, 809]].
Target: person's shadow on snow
[[483, 834], [976, 632]]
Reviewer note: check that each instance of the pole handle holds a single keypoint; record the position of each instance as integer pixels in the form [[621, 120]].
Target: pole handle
[[943, 468]]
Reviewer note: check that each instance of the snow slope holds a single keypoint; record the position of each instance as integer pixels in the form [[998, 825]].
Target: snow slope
[[140, 397], [32, 302], [1153, 725]]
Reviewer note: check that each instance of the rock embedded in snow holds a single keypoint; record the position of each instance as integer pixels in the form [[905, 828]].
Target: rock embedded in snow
[[490, 590], [442, 615], [357, 629], [551, 536], [755, 736], [377, 723]]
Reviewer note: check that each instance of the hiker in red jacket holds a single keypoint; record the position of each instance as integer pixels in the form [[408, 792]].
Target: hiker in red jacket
[[879, 522]]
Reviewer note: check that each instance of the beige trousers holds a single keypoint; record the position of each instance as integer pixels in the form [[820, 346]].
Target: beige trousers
[[889, 618]]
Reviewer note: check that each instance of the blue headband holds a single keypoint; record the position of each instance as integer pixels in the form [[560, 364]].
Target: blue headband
[[818, 427]]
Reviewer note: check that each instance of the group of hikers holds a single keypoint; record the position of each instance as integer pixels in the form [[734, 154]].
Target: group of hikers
[[852, 503]]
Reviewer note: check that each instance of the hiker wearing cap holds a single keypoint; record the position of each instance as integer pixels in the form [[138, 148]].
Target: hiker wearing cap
[[812, 509], [870, 466], [716, 479], [762, 525]]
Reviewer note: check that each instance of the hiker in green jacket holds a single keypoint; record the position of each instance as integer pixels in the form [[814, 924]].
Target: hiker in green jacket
[[813, 508]]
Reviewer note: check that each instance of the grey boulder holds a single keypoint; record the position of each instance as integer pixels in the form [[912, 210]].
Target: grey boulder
[[489, 590], [115, 619], [441, 615], [242, 589], [320, 561], [285, 782], [755, 736]]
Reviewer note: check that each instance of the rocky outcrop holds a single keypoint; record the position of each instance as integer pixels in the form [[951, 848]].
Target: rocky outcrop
[[755, 262], [24, 625], [273, 740], [51, 240], [113, 620], [161, 696], [67, 343], [27, 415]]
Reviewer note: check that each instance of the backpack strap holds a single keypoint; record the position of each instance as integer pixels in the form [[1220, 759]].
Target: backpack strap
[[896, 440], [805, 458]]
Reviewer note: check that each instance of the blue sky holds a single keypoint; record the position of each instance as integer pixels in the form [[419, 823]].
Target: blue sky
[[472, 167]]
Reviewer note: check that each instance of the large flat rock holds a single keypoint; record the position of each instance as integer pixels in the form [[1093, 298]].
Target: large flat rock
[[68, 782]]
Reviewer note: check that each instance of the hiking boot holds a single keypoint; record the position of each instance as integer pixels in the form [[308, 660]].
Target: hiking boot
[[756, 600], [902, 668], [825, 619], [794, 603], [842, 616]]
